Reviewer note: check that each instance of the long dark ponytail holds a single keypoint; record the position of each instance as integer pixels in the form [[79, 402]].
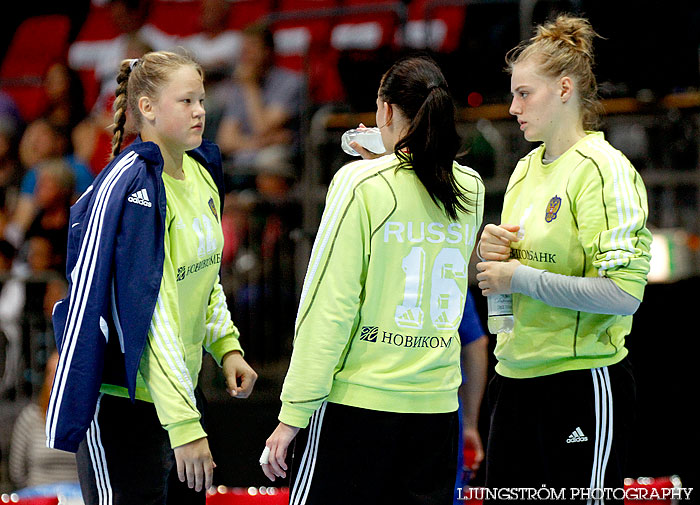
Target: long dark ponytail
[[416, 85]]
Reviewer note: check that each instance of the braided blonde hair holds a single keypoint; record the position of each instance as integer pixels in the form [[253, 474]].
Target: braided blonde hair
[[565, 47], [145, 76]]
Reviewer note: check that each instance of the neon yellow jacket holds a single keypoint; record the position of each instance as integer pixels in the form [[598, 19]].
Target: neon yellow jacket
[[383, 296], [191, 309], [582, 215]]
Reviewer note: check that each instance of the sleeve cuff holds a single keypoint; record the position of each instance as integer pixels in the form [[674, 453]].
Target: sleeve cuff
[[185, 432], [630, 286], [523, 279], [295, 415], [223, 346]]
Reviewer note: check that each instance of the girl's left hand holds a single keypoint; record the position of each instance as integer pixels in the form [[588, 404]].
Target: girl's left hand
[[240, 377], [195, 464], [494, 276]]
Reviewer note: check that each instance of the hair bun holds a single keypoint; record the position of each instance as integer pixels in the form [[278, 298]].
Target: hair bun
[[575, 32]]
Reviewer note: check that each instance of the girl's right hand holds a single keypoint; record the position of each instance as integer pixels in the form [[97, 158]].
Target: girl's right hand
[[195, 464], [364, 153], [494, 244]]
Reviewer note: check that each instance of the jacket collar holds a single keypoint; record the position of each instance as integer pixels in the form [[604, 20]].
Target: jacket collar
[[207, 154], [147, 150]]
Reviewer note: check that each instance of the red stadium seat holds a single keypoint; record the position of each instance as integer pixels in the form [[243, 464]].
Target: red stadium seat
[[302, 43], [180, 18], [305, 30], [371, 27], [98, 25], [434, 26], [325, 85], [247, 12], [37, 43], [300, 5]]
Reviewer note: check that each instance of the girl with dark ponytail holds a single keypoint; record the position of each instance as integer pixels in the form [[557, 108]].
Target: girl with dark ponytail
[[429, 142], [376, 359]]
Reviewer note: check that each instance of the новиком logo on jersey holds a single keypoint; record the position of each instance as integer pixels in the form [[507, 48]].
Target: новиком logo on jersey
[[372, 334]]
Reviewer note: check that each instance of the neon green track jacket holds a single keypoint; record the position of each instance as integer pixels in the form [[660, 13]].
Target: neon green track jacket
[[583, 215], [191, 309], [383, 296]]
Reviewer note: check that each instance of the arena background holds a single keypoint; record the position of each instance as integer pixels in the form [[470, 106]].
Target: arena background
[[648, 66]]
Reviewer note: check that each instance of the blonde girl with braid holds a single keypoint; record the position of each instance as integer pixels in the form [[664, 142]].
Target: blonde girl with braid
[[145, 297], [573, 249]]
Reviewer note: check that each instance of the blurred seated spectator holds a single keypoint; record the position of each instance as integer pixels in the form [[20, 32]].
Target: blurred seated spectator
[[261, 112], [65, 96], [91, 137], [215, 45], [102, 56], [42, 140], [31, 463], [98, 61], [10, 169], [41, 257], [26, 283], [7, 256], [53, 196], [274, 182], [12, 298], [9, 111], [267, 204]]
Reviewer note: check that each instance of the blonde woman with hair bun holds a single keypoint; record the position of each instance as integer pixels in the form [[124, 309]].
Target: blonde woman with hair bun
[[573, 249]]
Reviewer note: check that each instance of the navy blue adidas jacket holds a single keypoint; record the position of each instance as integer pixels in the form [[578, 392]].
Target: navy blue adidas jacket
[[114, 268]]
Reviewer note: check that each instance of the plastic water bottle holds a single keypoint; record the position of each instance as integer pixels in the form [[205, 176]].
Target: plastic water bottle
[[500, 310], [500, 307], [369, 138]]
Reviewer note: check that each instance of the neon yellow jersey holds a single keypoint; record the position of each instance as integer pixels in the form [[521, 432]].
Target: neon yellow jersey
[[582, 215], [383, 296], [191, 309]]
